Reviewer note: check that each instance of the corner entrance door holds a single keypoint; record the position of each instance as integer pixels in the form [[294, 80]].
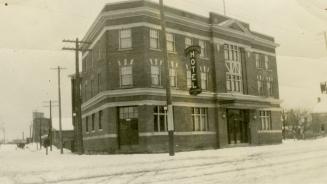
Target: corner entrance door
[[238, 126], [128, 126]]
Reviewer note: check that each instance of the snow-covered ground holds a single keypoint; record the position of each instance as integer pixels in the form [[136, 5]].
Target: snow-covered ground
[[291, 162]]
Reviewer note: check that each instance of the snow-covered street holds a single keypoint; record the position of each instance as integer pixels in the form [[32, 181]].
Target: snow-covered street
[[291, 162]]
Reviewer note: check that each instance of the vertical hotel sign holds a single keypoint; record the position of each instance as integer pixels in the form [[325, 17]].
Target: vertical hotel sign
[[192, 53]]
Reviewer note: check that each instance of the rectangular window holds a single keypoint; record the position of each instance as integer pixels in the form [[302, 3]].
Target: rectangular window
[[100, 120], [265, 118], [154, 39], [173, 77], [203, 46], [260, 83], [188, 42], [228, 82], [87, 124], [234, 68], [125, 39], [170, 42], [200, 119], [93, 118], [160, 119], [204, 80], [128, 113], [126, 76], [155, 75], [261, 62], [188, 78]]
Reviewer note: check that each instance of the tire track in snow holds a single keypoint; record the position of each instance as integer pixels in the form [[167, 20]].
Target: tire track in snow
[[159, 170]]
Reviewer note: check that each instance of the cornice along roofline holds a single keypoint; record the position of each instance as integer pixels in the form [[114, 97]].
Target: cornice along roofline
[[255, 36]]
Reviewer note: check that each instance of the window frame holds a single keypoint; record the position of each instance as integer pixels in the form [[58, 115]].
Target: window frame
[[173, 77], [157, 116], [204, 81], [265, 120], [200, 119], [171, 42], [270, 85], [233, 64], [266, 62], [203, 46], [128, 112], [129, 75], [155, 75], [124, 39], [156, 39]]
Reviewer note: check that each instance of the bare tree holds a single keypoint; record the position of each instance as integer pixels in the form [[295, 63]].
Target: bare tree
[[297, 120]]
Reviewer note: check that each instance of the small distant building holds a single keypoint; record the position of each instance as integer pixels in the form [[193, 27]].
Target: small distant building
[[67, 133], [41, 125], [319, 117]]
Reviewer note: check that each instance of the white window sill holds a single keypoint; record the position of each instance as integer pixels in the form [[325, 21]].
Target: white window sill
[[100, 130]]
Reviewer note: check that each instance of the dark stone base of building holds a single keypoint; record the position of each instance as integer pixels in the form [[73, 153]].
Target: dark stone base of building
[[235, 127]]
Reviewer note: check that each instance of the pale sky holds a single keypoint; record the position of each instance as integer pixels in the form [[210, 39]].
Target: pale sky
[[32, 32]]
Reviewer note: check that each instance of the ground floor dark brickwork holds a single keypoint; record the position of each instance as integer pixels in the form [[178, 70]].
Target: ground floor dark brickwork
[[143, 128]]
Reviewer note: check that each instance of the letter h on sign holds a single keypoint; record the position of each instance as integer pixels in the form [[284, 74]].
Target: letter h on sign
[[192, 53]]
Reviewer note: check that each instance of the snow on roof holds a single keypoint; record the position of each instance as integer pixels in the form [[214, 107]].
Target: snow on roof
[[66, 123], [320, 107]]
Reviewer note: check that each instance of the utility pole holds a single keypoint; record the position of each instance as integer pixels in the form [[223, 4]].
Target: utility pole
[[168, 90], [50, 124], [77, 106], [23, 136], [59, 100]]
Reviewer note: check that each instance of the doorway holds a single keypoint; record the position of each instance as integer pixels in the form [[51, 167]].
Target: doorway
[[238, 126], [128, 126]]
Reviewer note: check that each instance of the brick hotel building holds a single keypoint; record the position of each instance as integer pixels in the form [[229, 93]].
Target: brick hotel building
[[123, 85]]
